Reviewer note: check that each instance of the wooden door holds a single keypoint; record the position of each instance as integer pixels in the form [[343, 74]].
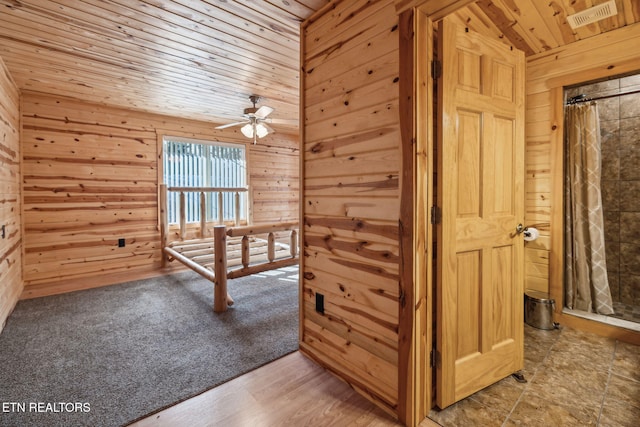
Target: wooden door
[[481, 195]]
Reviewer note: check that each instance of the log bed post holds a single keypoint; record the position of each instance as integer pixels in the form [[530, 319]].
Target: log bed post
[[203, 215], [220, 269], [271, 247], [183, 215], [220, 208], [246, 251], [237, 199]]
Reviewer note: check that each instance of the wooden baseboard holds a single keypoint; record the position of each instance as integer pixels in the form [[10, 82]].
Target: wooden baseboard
[[598, 328], [79, 284]]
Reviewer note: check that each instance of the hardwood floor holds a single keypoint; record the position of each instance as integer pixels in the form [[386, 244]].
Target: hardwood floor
[[291, 391], [597, 385]]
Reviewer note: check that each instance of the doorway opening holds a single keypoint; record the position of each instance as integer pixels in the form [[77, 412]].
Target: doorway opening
[[618, 116]]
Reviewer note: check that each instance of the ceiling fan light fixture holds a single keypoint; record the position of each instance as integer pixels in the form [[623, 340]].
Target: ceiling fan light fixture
[[261, 130], [254, 125], [247, 130]]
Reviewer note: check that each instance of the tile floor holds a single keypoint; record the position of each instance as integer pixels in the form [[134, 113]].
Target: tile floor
[[574, 378]]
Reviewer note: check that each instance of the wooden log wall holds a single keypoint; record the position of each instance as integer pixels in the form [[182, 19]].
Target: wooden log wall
[[351, 195], [275, 180], [10, 234], [598, 57], [91, 178]]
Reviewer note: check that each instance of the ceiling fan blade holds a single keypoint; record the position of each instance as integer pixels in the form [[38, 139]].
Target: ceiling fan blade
[[290, 122], [263, 112], [232, 124]]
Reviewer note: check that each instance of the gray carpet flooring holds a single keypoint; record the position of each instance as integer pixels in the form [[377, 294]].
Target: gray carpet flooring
[[108, 356]]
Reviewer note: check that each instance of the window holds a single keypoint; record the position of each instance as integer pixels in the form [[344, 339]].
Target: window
[[192, 163]]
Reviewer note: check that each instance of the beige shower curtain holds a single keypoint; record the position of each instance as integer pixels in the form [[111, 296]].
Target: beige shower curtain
[[587, 286]]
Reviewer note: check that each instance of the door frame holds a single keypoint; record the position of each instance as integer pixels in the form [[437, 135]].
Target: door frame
[[415, 375], [416, 239], [414, 402], [416, 314]]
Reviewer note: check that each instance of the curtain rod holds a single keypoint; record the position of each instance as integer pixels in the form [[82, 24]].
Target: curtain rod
[[583, 98]]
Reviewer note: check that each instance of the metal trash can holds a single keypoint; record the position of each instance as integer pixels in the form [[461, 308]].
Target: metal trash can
[[538, 310]]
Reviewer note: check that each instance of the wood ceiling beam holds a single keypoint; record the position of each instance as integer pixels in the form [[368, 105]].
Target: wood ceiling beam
[[435, 9]]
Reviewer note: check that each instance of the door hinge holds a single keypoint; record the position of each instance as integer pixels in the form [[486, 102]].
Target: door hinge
[[433, 357], [436, 215], [436, 69]]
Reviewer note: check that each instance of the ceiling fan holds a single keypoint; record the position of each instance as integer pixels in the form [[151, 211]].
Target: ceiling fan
[[255, 121]]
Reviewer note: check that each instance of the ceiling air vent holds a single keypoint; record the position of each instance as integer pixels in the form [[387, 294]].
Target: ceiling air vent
[[593, 14]]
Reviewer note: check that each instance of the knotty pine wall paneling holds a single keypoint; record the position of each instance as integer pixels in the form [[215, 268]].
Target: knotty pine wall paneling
[[275, 179], [351, 195], [598, 57], [11, 234], [91, 178]]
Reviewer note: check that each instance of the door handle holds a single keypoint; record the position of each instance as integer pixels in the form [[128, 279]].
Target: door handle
[[520, 229]]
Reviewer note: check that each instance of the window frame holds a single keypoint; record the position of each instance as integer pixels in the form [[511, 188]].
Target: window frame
[[247, 213]]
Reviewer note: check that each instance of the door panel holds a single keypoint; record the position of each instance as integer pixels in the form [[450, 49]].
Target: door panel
[[468, 160], [481, 194]]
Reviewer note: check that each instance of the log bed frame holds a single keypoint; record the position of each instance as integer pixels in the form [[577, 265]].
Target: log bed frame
[[232, 252]]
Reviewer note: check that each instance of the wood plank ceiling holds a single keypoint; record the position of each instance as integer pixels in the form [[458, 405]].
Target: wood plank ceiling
[[202, 59]]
